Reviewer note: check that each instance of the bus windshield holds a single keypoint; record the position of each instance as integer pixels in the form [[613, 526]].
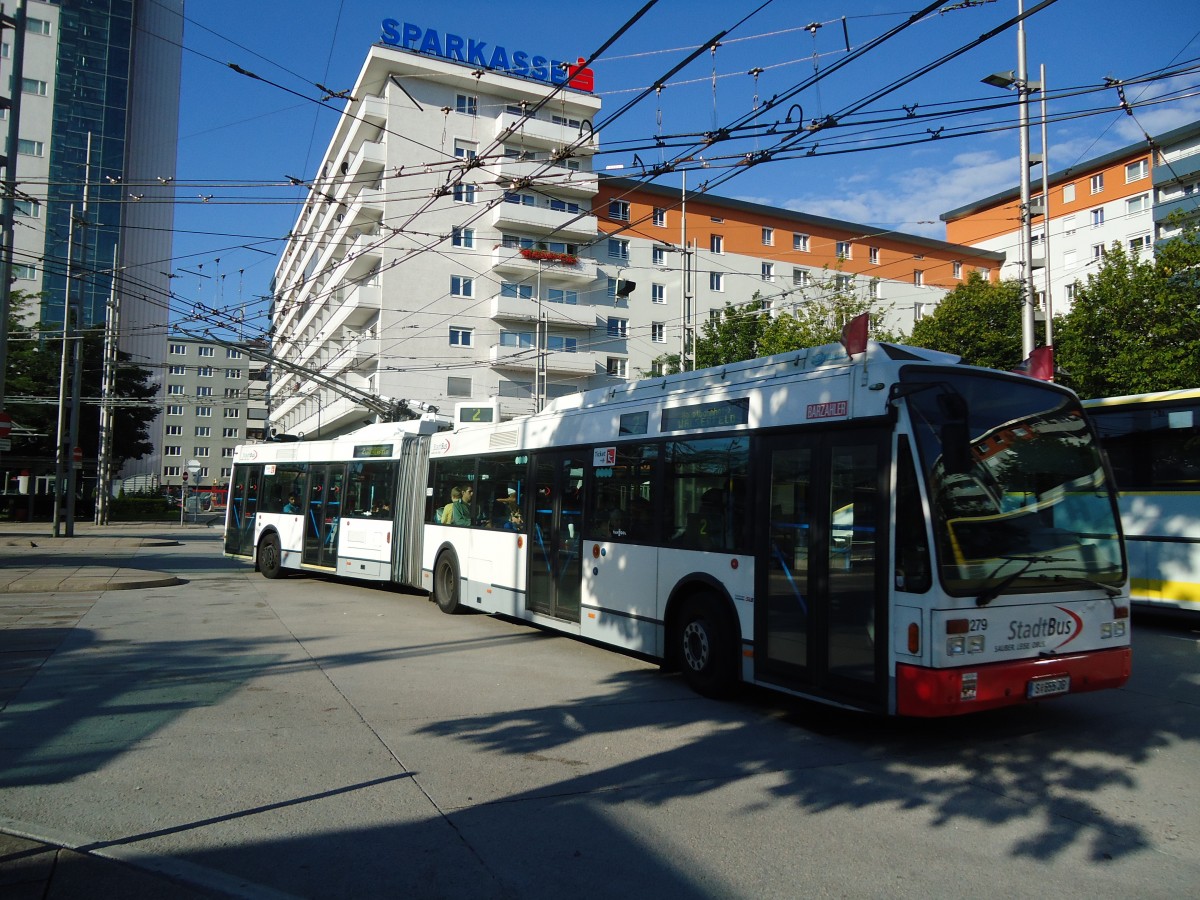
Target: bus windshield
[[1017, 487]]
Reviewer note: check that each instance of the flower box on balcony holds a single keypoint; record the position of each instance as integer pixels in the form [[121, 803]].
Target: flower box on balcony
[[567, 259]]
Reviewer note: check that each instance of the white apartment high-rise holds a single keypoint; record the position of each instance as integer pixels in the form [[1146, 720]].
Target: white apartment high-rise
[[457, 245]]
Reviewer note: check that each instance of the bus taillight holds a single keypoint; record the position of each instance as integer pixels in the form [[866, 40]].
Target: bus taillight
[[914, 638]]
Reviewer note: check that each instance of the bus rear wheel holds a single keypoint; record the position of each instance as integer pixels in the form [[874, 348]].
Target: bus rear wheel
[[270, 557], [446, 584], [704, 647]]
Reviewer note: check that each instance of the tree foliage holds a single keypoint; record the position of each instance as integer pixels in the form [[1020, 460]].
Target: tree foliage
[[979, 320], [34, 372], [751, 331], [1134, 326]]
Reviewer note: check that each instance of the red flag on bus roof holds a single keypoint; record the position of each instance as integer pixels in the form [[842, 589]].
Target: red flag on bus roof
[[1039, 364], [854, 334]]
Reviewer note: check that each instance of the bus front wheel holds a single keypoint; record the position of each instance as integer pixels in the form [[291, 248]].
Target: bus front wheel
[[704, 647], [446, 584], [270, 557]]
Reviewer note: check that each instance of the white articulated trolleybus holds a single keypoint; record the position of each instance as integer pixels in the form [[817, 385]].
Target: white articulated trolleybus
[[1153, 444], [893, 531]]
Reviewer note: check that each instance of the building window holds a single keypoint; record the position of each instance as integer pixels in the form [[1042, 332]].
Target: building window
[[465, 150], [178, 350], [519, 291], [957, 269], [36, 26], [230, 432], [562, 295], [658, 333], [618, 210], [618, 327], [561, 344], [565, 206], [985, 273], [844, 250], [205, 371], [1137, 204], [462, 337], [522, 339], [464, 193], [800, 242], [800, 277], [768, 237], [658, 256], [172, 450], [204, 412], [516, 198], [617, 366], [716, 243], [205, 351], [34, 86], [467, 104], [233, 373], [658, 293], [462, 237], [1069, 224], [175, 390], [1099, 251], [1097, 182], [230, 393], [205, 391], [618, 248], [457, 386], [1139, 243], [232, 412], [1069, 193], [174, 409], [31, 148], [716, 281], [1097, 215], [768, 271], [843, 283], [875, 289], [227, 453], [27, 273], [660, 217], [30, 209], [462, 286], [918, 277], [203, 431], [230, 353], [174, 431], [873, 253], [1137, 170]]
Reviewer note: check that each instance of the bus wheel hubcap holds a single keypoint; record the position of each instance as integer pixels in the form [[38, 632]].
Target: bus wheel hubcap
[[695, 646]]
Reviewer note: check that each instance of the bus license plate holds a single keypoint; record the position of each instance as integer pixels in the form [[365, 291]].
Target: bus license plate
[[1048, 687]]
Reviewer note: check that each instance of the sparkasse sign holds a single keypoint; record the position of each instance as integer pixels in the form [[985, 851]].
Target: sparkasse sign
[[475, 52]]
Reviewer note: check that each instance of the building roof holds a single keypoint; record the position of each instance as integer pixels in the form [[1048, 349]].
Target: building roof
[[800, 218], [1088, 165]]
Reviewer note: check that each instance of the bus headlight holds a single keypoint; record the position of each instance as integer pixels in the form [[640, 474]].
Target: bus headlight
[[975, 643], [956, 646]]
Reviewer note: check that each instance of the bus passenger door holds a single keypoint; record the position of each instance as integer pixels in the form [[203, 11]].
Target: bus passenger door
[[323, 514], [556, 534], [822, 568], [242, 507]]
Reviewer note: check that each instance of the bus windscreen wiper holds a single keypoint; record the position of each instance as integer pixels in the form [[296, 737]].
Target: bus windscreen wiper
[[990, 594]]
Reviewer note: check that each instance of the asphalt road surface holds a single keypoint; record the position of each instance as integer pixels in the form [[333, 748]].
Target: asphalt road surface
[[311, 738]]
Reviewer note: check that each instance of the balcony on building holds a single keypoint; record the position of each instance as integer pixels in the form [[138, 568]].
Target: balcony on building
[[372, 111], [544, 134], [508, 260], [525, 359], [543, 220], [523, 309], [545, 175], [364, 254], [355, 306], [367, 163]]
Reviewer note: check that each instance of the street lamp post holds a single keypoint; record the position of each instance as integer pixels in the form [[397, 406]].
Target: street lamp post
[[1020, 80]]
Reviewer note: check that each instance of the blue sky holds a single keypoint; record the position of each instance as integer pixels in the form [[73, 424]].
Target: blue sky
[[240, 137]]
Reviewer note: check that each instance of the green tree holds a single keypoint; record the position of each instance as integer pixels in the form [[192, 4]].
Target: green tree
[[1134, 326], [979, 320], [34, 360], [751, 331]]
